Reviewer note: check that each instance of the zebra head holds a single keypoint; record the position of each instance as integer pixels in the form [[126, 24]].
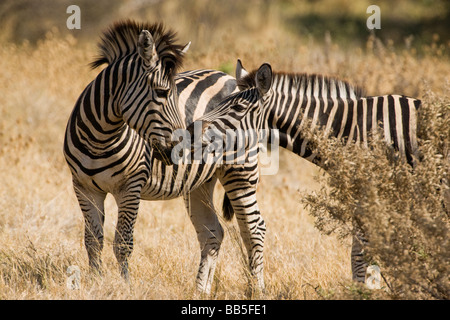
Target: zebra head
[[149, 101], [239, 112]]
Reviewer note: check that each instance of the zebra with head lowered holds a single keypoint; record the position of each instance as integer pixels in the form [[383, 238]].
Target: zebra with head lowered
[[296, 101], [235, 164]]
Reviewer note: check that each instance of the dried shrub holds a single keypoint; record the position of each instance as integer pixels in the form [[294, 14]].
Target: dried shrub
[[404, 212]]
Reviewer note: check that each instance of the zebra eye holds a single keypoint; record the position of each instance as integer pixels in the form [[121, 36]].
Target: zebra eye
[[239, 108], [162, 93]]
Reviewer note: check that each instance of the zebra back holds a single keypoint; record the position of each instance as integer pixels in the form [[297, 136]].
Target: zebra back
[[303, 101]]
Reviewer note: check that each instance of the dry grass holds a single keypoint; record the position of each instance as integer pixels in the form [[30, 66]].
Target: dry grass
[[41, 225]]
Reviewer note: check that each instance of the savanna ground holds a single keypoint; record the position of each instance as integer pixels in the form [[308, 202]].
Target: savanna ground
[[44, 69]]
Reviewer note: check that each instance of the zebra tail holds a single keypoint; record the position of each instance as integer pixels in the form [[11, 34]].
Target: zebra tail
[[227, 208]]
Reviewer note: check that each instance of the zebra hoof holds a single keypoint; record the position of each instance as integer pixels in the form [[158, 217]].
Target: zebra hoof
[[373, 277]]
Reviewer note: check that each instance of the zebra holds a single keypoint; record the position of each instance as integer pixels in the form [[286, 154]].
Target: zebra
[[344, 112], [121, 125], [239, 111], [116, 142]]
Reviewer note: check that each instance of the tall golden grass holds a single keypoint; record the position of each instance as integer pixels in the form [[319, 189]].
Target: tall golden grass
[[41, 226]]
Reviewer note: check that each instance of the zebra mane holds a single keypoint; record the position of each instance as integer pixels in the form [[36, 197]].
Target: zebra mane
[[121, 40], [299, 81]]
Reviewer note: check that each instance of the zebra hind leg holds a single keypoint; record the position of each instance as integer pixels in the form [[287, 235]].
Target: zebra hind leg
[[200, 207], [128, 206], [92, 206], [362, 272], [252, 228]]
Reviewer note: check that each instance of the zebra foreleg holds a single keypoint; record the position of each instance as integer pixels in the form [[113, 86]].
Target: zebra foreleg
[[200, 207], [92, 206], [128, 206]]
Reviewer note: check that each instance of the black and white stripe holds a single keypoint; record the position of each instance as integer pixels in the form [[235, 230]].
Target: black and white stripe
[[200, 91]]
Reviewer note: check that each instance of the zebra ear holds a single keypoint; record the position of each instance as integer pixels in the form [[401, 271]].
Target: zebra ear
[[240, 70], [146, 47], [263, 78], [185, 48]]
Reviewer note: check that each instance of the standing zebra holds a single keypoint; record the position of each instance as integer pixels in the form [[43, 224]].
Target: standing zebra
[[122, 121], [118, 133], [344, 113]]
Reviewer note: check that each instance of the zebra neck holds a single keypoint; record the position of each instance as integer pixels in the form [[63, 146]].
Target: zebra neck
[[96, 121]]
